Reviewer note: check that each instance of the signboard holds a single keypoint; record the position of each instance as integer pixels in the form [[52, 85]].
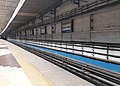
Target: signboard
[[43, 30], [67, 27]]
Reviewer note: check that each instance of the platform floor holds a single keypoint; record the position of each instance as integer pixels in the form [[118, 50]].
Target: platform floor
[[11, 73], [42, 72]]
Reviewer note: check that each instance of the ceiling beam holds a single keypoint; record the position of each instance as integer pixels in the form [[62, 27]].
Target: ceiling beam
[[26, 14], [18, 22]]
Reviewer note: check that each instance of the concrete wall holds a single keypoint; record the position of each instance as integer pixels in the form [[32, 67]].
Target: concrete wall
[[65, 7], [106, 25], [28, 32], [107, 20], [58, 27], [69, 5], [82, 23], [57, 35], [49, 29], [37, 31]]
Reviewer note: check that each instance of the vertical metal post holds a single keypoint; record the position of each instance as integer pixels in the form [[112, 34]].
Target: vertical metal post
[[66, 46], [93, 50], [61, 31], [53, 21], [72, 29], [61, 46], [91, 25], [73, 47], [82, 48], [107, 52]]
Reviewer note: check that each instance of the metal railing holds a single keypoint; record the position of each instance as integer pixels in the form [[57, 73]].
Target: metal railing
[[109, 52], [93, 74]]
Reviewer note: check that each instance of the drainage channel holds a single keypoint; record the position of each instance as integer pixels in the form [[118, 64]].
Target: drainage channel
[[93, 74]]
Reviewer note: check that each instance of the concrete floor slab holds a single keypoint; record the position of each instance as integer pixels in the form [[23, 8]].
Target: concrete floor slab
[[57, 75], [11, 73]]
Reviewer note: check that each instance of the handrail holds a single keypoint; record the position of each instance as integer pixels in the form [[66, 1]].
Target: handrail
[[93, 74], [106, 47]]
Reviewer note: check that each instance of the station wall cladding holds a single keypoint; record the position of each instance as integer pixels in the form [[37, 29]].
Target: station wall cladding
[[98, 25]]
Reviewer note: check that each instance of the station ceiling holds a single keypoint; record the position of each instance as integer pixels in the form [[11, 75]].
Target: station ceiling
[[29, 10], [7, 8]]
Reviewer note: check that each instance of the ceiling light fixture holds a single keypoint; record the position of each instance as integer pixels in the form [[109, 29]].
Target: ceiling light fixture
[[19, 6]]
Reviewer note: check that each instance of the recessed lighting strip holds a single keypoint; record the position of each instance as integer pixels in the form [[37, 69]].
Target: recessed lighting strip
[[19, 6]]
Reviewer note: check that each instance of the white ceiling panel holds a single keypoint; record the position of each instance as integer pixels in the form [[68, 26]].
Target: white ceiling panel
[[29, 10], [7, 8]]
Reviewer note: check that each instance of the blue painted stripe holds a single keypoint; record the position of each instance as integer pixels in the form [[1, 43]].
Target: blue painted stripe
[[109, 66]]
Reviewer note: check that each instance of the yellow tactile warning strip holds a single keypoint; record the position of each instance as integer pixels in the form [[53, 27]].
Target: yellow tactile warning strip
[[34, 75]]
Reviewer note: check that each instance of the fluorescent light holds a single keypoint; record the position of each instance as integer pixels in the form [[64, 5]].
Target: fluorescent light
[[19, 6]]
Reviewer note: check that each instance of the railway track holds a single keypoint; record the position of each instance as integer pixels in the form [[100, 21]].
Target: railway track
[[96, 75]]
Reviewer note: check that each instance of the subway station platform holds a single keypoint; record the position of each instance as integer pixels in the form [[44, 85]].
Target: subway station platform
[[34, 71], [11, 73]]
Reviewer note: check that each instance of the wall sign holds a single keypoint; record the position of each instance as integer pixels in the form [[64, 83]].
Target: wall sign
[[43, 30], [67, 27]]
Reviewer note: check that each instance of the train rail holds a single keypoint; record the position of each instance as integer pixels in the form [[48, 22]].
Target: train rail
[[96, 75]]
